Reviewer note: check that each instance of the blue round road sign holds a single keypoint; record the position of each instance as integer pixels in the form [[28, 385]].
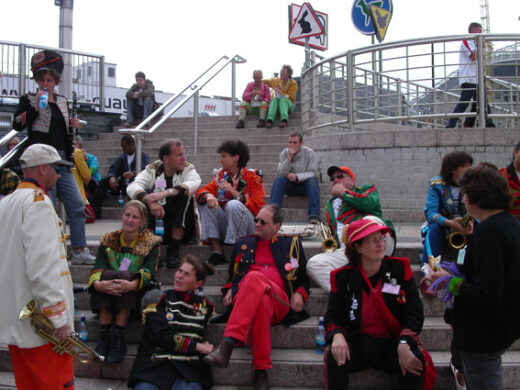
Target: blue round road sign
[[361, 14]]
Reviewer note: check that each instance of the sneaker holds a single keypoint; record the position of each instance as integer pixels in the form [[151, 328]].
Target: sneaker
[[217, 258], [424, 286], [127, 124], [269, 124], [314, 220], [283, 124], [460, 383], [83, 257], [261, 123], [240, 124]]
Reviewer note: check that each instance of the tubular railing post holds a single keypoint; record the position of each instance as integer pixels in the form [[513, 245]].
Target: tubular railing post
[[400, 101], [233, 88], [481, 106], [102, 84], [196, 121], [138, 152], [21, 69], [350, 89]]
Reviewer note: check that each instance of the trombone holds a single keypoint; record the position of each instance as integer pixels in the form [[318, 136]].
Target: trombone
[[73, 345]]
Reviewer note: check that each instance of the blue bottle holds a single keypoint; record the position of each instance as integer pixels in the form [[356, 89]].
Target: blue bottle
[[320, 336], [120, 199], [44, 99], [159, 227], [221, 193], [83, 331]]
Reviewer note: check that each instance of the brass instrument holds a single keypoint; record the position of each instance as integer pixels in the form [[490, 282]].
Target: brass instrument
[[73, 345], [458, 240], [329, 243]]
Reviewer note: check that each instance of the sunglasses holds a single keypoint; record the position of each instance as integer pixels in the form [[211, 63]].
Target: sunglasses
[[340, 176], [262, 222]]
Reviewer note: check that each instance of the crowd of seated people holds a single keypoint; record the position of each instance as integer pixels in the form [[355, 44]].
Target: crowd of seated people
[[268, 273]]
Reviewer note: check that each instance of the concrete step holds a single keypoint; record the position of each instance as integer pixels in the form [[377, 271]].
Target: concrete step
[[291, 368]]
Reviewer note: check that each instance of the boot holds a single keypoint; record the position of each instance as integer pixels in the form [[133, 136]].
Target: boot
[[261, 123], [172, 254], [117, 347], [220, 356], [260, 380], [104, 342]]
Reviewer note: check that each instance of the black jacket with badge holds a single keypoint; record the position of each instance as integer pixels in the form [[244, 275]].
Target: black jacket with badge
[[295, 279], [345, 300], [174, 324]]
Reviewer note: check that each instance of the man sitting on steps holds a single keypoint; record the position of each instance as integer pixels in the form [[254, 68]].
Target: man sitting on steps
[[167, 187], [347, 204]]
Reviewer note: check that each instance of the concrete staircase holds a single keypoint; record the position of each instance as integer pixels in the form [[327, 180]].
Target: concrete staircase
[[296, 363]]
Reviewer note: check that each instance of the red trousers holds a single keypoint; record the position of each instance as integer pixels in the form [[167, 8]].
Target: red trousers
[[254, 311], [41, 368]]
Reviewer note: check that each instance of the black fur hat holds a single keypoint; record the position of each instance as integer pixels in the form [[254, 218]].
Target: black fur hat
[[46, 60]]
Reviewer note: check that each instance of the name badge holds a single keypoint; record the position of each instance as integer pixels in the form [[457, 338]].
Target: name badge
[[124, 264], [391, 288], [160, 183], [461, 255]]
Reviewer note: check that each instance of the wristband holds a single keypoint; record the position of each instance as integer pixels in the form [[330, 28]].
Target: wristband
[[454, 285], [170, 191]]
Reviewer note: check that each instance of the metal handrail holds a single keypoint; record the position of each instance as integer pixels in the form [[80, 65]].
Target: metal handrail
[[194, 90], [353, 87], [9, 155]]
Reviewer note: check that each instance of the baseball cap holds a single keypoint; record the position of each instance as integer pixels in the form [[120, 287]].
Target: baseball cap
[[346, 170], [38, 154]]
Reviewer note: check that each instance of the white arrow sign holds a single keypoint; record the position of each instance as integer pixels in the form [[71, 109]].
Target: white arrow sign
[[306, 25]]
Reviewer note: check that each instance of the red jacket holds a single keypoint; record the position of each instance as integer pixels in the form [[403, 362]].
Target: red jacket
[[254, 191], [514, 186]]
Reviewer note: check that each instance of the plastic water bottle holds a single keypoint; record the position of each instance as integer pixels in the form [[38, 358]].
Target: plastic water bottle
[[159, 227], [44, 99], [120, 199], [320, 336], [83, 331], [221, 193]]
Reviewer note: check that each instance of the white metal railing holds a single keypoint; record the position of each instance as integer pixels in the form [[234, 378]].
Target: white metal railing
[[412, 82], [173, 104], [83, 74]]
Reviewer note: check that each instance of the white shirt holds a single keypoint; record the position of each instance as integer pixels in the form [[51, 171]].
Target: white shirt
[[467, 67]]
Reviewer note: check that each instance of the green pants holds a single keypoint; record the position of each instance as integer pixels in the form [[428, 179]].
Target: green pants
[[245, 108], [285, 105]]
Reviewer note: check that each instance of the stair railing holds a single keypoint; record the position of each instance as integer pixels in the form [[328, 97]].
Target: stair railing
[[191, 90]]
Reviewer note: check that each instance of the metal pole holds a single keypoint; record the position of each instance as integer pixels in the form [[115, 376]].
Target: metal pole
[[21, 70], [196, 120], [233, 96], [433, 66], [481, 83], [138, 153], [65, 33], [350, 89], [102, 84]]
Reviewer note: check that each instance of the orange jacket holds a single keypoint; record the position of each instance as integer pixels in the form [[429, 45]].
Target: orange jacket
[[254, 191]]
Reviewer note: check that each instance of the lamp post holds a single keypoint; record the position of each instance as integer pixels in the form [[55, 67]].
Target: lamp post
[[65, 42]]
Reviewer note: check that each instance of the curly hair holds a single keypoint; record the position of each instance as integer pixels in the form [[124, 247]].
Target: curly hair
[[234, 147], [486, 188]]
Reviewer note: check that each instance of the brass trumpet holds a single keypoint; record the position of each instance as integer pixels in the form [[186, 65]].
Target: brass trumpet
[[329, 243], [73, 345], [458, 240]]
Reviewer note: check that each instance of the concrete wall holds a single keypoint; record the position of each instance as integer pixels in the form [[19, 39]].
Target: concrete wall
[[400, 162]]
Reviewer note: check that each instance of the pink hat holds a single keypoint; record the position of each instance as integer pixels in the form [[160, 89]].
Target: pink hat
[[360, 229]]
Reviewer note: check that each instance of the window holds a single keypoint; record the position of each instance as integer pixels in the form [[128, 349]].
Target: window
[[111, 72], [89, 70]]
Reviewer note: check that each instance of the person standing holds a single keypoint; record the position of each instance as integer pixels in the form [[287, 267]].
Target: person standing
[[486, 313], [296, 175], [468, 73], [34, 267]]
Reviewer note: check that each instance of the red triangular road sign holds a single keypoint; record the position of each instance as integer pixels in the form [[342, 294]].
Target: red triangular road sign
[[306, 25]]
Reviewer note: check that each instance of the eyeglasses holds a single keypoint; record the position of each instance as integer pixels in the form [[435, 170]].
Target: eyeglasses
[[262, 222], [340, 176], [376, 240], [55, 167]]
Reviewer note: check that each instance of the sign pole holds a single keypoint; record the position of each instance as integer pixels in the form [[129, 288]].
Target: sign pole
[[307, 63]]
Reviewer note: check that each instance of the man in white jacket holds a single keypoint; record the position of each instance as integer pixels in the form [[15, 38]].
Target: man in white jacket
[[34, 267], [167, 187]]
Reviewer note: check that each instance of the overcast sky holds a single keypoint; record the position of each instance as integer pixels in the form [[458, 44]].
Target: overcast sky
[[173, 41]]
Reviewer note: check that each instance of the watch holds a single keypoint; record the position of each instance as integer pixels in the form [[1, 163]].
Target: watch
[[403, 341]]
